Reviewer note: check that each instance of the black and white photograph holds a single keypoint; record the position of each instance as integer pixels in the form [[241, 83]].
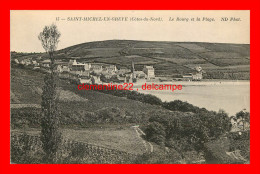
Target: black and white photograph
[[130, 87]]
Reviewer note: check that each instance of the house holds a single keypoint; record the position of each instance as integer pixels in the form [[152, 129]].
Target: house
[[121, 79], [87, 66], [65, 68], [16, 61], [35, 63], [81, 73], [58, 68], [96, 68], [197, 76], [107, 75], [22, 62], [27, 62], [108, 71], [187, 77], [85, 80], [76, 66], [39, 58], [85, 73], [46, 63], [110, 68], [96, 80], [123, 71], [140, 75], [149, 71], [77, 73], [61, 67], [192, 76]]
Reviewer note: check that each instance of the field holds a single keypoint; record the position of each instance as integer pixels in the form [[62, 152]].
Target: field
[[26, 86], [168, 58], [112, 137]]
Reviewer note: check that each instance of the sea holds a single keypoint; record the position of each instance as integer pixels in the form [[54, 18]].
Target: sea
[[230, 96]]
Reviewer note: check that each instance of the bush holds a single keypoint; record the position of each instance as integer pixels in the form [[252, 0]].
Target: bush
[[151, 99], [240, 142], [178, 105], [215, 152], [186, 131], [155, 132]]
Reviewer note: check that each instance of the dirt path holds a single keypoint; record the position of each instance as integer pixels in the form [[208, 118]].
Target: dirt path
[[139, 133]]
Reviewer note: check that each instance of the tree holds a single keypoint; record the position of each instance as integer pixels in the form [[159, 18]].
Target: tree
[[49, 38], [50, 133], [244, 116], [151, 99], [103, 78], [155, 132]]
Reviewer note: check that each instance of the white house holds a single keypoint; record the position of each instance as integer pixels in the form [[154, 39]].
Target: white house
[[76, 66], [16, 61], [46, 63], [149, 71], [97, 68], [35, 63]]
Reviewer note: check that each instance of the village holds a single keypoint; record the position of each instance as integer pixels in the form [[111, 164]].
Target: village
[[98, 73]]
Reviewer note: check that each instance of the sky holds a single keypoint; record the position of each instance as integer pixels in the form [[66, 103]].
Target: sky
[[26, 25]]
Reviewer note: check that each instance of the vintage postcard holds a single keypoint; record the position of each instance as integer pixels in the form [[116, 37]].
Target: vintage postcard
[[130, 87]]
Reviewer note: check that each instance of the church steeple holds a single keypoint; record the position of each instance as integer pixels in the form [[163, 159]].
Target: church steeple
[[133, 67]]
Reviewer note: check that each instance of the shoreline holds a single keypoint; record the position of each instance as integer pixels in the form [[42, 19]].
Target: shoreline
[[197, 83]]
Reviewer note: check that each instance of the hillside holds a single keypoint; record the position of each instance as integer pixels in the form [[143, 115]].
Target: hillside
[[168, 58], [26, 89], [86, 116]]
